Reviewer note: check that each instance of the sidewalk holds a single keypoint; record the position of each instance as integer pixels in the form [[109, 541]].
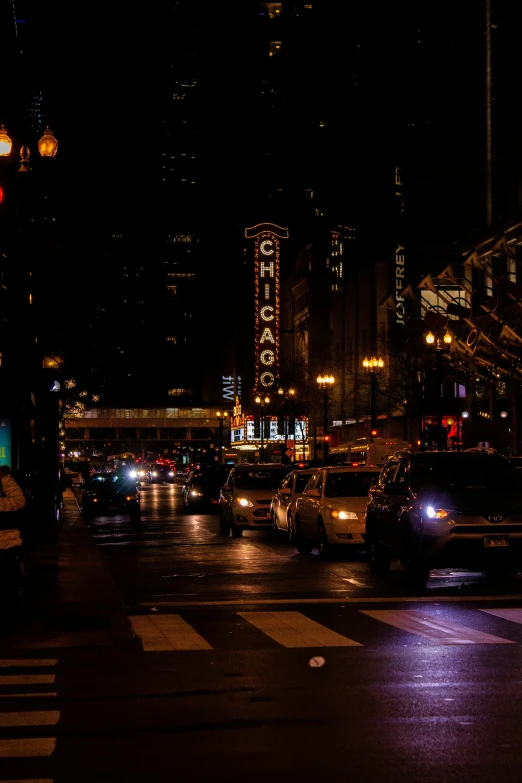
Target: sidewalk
[[69, 597]]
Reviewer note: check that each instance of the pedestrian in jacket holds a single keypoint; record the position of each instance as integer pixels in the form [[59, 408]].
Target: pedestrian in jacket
[[12, 501]]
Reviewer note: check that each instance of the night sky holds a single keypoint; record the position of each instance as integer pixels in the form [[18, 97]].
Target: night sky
[[101, 71]]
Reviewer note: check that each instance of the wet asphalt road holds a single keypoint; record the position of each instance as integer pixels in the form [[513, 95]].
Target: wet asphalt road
[[253, 662]]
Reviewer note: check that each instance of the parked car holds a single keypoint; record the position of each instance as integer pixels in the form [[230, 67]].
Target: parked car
[[104, 493], [202, 488], [245, 498], [445, 509], [331, 510], [282, 508]]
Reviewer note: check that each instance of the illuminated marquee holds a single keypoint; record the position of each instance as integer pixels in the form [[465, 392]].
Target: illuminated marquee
[[266, 302]]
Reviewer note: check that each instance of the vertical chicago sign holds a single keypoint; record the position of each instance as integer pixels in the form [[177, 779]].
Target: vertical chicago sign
[[267, 304]]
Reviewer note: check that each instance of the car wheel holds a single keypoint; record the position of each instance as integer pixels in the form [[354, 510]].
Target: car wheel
[[304, 547], [325, 548], [378, 560]]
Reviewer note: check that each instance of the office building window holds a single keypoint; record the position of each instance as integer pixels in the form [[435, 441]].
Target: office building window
[[272, 10], [274, 47]]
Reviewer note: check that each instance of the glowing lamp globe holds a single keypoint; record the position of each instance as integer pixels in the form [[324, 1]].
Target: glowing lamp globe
[[6, 145], [48, 145]]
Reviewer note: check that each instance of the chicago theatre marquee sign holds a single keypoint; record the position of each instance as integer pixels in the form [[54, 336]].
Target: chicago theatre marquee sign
[[267, 304]]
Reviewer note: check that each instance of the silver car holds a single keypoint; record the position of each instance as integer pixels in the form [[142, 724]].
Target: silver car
[[282, 509], [244, 501]]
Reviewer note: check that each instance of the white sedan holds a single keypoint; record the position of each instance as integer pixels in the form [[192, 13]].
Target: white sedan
[[331, 511]]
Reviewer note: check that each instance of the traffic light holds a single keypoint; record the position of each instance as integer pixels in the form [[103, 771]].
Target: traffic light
[[374, 433], [257, 427], [326, 438]]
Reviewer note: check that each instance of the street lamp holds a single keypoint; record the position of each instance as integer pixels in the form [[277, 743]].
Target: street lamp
[[262, 401], [288, 427], [325, 382], [439, 345], [221, 416], [372, 367]]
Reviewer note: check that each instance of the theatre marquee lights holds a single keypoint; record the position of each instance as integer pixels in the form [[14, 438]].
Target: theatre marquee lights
[[267, 302]]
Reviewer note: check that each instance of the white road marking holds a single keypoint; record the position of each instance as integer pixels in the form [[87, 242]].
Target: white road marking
[[515, 615], [167, 632], [27, 747], [433, 628], [293, 629], [7, 664], [347, 600], [29, 719], [27, 679]]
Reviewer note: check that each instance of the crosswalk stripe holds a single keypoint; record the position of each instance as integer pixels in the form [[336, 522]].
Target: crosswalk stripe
[[11, 719], [293, 629], [9, 664], [167, 632], [26, 679], [27, 747], [433, 628], [417, 599], [515, 615]]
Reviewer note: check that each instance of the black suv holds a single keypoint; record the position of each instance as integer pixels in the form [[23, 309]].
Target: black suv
[[445, 509]]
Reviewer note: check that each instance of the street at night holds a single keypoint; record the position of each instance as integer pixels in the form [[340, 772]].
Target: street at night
[[260, 392], [244, 655]]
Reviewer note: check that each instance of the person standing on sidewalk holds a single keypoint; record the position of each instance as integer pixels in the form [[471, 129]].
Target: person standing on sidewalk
[[12, 501]]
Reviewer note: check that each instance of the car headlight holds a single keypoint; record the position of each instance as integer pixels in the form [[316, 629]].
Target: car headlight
[[171, 474], [195, 493], [436, 513], [133, 474], [154, 474], [244, 502], [344, 514]]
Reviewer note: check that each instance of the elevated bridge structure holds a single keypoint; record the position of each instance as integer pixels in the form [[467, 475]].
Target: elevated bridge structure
[[142, 430]]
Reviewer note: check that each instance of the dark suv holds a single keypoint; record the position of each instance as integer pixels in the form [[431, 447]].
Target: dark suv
[[445, 509]]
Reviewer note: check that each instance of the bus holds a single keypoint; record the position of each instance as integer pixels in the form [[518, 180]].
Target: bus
[[367, 451]]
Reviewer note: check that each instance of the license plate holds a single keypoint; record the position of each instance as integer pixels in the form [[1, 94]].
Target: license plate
[[496, 541]]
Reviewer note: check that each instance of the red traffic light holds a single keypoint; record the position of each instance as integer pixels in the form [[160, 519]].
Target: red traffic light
[[374, 433], [326, 438]]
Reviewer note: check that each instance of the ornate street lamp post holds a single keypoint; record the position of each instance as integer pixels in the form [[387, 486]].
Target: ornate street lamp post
[[325, 382], [262, 401], [439, 345], [372, 367]]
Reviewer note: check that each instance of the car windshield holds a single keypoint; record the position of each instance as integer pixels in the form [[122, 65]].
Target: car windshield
[[349, 485], [462, 471], [260, 478]]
